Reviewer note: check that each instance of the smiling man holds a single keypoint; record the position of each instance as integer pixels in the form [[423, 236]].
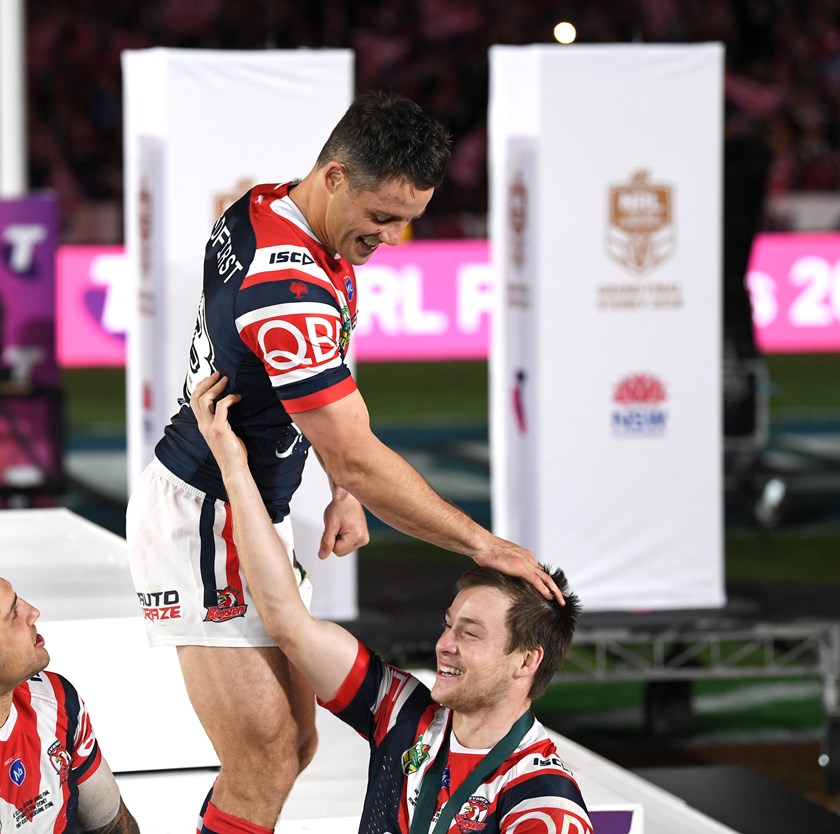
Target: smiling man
[[467, 755], [276, 314], [53, 777]]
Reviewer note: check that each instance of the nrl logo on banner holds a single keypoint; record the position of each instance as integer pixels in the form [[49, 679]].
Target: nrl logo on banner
[[517, 217], [640, 234], [517, 292]]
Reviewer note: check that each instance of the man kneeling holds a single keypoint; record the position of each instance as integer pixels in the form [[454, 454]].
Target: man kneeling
[[467, 755], [53, 775]]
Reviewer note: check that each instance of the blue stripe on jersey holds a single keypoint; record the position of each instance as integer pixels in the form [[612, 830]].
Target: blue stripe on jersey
[[87, 765], [72, 709], [536, 785], [234, 236], [207, 553], [305, 387], [280, 291]]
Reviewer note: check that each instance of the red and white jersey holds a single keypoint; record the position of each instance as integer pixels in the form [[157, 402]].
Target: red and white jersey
[[532, 792], [47, 749]]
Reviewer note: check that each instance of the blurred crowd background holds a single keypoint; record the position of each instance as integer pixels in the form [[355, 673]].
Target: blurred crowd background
[[782, 79]]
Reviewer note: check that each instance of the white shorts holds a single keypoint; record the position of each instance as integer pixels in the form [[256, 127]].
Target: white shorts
[[185, 566]]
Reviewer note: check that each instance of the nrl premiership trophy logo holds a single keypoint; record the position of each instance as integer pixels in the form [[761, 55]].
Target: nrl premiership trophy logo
[[640, 234], [517, 219]]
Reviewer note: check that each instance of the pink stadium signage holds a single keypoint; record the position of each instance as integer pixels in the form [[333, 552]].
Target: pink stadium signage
[[432, 300], [794, 285]]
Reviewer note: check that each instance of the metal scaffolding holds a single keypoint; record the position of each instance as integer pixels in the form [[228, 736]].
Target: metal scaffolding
[[759, 650]]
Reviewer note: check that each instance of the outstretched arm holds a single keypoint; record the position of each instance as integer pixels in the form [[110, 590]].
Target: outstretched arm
[[322, 651], [392, 489]]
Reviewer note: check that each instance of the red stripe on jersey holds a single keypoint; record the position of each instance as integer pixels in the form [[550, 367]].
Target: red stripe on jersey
[[532, 821], [320, 398], [426, 718], [27, 749], [394, 700], [264, 223], [544, 748], [351, 684], [231, 553], [97, 760]]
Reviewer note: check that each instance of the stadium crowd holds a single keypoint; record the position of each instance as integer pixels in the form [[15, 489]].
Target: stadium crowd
[[782, 78]]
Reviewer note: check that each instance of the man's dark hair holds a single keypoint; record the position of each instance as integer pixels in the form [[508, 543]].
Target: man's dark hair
[[382, 137], [532, 620]]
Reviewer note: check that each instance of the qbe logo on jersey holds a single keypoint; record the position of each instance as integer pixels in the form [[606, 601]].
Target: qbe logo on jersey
[[639, 406]]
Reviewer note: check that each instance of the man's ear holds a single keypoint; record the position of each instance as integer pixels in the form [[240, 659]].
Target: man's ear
[[334, 175], [530, 662]]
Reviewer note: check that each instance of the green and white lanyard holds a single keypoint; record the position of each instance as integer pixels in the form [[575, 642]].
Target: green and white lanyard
[[433, 777]]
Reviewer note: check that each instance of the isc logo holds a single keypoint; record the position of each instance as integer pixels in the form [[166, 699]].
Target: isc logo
[[285, 257]]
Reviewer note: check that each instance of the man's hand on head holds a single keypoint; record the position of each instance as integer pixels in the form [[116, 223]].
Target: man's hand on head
[[513, 560]]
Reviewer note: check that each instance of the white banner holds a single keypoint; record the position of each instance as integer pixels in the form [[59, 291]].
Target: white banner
[[620, 438], [201, 127]]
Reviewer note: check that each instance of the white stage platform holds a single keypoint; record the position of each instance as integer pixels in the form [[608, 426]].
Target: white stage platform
[[77, 575]]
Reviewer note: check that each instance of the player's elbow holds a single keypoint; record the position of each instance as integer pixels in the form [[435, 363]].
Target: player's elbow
[[280, 633], [352, 467], [349, 477]]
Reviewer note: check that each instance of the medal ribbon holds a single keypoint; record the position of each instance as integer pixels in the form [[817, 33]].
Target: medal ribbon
[[433, 778]]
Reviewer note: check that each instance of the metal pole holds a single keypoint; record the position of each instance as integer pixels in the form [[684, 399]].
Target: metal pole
[[13, 158]]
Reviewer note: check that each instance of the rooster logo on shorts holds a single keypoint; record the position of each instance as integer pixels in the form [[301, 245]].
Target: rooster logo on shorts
[[228, 605]]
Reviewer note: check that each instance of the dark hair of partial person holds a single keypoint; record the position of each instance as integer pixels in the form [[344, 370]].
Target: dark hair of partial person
[[532, 620], [384, 136]]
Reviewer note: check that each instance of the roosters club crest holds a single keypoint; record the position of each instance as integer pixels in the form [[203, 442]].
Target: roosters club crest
[[228, 605], [472, 815], [60, 760]]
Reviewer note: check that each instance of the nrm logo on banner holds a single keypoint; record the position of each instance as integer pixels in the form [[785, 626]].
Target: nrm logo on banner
[[640, 231], [639, 409]]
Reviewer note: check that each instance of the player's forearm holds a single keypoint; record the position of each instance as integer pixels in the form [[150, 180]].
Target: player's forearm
[[335, 489], [397, 494], [271, 580], [322, 651]]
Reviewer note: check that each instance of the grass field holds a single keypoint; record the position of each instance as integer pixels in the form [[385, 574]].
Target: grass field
[[802, 386]]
